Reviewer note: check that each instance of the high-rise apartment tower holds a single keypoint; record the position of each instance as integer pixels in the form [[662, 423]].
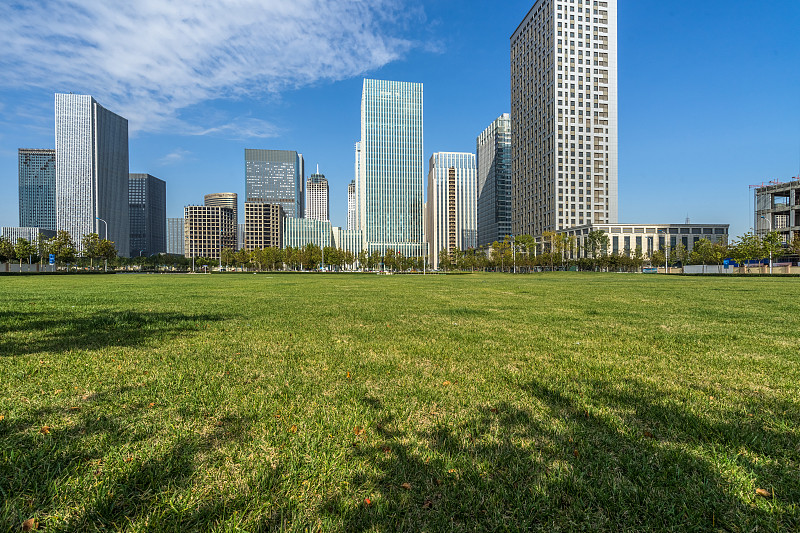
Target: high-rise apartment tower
[[37, 188], [317, 203], [494, 181], [275, 177], [91, 171], [390, 170], [452, 209], [147, 208], [351, 205], [564, 116]]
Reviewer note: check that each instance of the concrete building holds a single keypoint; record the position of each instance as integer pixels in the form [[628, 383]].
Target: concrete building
[[351, 205], [275, 177], [347, 240], [317, 202], [777, 208], [493, 161], [451, 221], [564, 116], [32, 235], [207, 230], [627, 238], [147, 209], [240, 236], [37, 188], [91, 171], [263, 226], [298, 232], [389, 187], [176, 240]]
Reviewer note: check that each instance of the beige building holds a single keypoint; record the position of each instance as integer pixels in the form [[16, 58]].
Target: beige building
[[627, 238], [207, 230], [263, 226]]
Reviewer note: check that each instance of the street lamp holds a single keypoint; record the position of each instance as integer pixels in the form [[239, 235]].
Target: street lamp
[[666, 248], [514, 251], [770, 248], [105, 260]]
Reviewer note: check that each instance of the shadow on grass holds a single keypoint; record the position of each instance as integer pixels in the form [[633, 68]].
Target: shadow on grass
[[158, 487], [27, 332], [565, 465]]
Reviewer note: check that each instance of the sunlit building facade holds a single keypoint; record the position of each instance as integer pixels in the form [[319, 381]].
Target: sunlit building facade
[[493, 162], [37, 188], [275, 177]]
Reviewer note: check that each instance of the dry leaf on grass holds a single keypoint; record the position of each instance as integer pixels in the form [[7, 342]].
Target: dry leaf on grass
[[406, 486], [649, 435], [358, 430], [293, 429], [427, 505], [764, 493], [30, 524], [446, 383], [45, 430]]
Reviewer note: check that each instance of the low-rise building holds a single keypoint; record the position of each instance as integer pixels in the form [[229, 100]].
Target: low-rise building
[[30, 234], [263, 226], [298, 232], [777, 208], [207, 230]]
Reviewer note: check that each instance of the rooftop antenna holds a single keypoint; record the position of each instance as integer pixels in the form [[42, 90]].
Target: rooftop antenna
[[317, 168], [687, 219]]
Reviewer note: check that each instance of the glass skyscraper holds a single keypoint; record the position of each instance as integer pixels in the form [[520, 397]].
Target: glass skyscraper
[[37, 188], [494, 181], [389, 188], [92, 171], [275, 177], [147, 206]]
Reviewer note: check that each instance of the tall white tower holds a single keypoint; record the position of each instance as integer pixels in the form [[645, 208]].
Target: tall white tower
[[317, 203], [564, 116]]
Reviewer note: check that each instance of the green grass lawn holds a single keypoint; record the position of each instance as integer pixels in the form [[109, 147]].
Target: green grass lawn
[[551, 402]]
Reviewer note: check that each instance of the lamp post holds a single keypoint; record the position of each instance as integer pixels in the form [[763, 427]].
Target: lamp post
[[666, 248], [514, 251], [105, 260], [770, 248]]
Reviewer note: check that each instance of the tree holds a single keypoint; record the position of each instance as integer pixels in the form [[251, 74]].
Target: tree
[[91, 247], [363, 259], [658, 258], [23, 249], [701, 253], [63, 247], [680, 254], [107, 250], [747, 248], [6, 250], [228, 256], [771, 244], [444, 260], [794, 246]]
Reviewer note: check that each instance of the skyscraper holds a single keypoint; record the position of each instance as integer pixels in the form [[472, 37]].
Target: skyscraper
[[351, 205], [390, 175], [228, 200], [91, 170], [147, 208], [275, 177], [317, 203], [175, 236], [564, 116], [37, 188], [452, 204], [494, 181]]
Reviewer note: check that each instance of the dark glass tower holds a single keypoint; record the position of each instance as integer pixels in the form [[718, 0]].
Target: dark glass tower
[[275, 177], [147, 207], [494, 181]]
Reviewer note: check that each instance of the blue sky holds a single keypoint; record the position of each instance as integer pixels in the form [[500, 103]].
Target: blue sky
[[709, 92]]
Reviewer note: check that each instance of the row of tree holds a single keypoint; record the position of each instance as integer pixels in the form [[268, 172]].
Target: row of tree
[[62, 246], [312, 257]]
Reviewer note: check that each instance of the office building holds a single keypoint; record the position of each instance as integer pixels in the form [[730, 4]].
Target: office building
[[298, 232], [777, 208], [240, 236], [317, 204], [626, 239], [147, 208], [351, 205], [31, 234], [493, 161], [176, 243], [207, 230], [275, 177], [389, 188], [452, 204], [263, 226], [564, 116], [347, 240], [229, 200], [37, 188], [91, 171]]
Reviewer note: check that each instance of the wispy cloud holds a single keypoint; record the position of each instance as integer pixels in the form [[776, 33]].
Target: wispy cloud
[[149, 59], [174, 157]]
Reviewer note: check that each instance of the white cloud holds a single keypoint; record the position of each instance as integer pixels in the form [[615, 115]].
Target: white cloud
[[174, 157], [147, 60]]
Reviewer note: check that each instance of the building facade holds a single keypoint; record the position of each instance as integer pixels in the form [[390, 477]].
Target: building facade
[[275, 177], [777, 208], [263, 226], [389, 187], [493, 162], [351, 205], [31, 234], [207, 230], [176, 240], [347, 240], [452, 204], [564, 116], [91, 171], [317, 203], [627, 239], [37, 188], [298, 232], [147, 209]]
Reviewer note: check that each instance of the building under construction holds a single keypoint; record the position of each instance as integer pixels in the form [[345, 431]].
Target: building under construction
[[777, 208]]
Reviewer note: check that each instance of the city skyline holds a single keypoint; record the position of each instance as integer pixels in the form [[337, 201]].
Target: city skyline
[[699, 133]]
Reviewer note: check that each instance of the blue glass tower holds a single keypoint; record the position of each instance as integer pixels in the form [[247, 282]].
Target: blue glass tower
[[37, 188]]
